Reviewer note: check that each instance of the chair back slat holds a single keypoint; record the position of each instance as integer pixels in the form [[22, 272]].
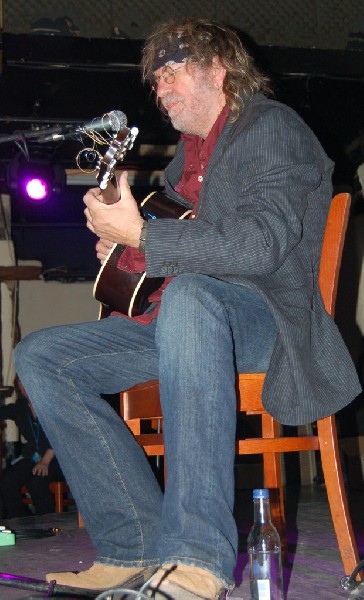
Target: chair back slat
[[332, 249]]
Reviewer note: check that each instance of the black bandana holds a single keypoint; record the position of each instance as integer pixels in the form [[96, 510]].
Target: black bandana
[[177, 52]]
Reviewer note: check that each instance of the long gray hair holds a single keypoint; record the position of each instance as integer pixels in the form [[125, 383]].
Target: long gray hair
[[203, 40]]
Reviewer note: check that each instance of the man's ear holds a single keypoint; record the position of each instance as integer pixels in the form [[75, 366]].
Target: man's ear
[[219, 72]]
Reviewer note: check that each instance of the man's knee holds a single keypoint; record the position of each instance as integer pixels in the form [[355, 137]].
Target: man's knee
[[35, 347], [184, 289]]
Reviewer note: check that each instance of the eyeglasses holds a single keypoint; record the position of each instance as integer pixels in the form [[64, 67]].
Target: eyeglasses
[[168, 75]]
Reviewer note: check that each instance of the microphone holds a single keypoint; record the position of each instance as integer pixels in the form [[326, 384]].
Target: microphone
[[114, 120]]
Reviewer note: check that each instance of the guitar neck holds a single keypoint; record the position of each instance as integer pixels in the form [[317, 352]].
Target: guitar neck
[[111, 193], [122, 142]]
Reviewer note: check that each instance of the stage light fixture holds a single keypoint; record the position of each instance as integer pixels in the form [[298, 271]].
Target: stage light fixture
[[35, 179], [36, 188]]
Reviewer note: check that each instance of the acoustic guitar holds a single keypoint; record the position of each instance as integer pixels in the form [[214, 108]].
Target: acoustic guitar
[[115, 288]]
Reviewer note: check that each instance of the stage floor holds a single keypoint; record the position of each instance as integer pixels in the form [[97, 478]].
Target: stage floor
[[314, 569]]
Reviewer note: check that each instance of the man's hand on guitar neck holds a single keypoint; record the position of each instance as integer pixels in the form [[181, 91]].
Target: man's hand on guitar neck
[[120, 222]]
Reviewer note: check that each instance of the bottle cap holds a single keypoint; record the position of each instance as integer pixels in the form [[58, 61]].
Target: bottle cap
[[261, 493]]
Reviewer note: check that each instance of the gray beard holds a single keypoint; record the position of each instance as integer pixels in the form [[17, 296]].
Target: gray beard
[[179, 125]]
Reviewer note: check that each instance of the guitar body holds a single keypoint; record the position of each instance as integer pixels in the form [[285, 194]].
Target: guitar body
[[120, 290], [125, 292]]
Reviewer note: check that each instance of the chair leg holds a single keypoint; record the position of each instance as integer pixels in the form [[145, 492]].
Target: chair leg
[[81, 522], [273, 481], [57, 488], [331, 466]]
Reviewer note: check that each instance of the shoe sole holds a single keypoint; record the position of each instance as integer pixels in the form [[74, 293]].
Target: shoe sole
[[135, 582], [176, 592]]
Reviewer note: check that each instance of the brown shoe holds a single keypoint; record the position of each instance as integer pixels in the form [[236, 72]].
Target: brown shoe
[[104, 577], [185, 582]]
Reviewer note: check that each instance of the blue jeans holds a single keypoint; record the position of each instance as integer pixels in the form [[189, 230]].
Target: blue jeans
[[206, 330]]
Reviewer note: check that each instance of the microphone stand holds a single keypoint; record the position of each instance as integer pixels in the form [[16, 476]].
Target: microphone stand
[[52, 589], [20, 136]]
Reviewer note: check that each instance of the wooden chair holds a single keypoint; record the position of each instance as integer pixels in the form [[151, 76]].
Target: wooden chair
[[141, 402], [59, 489]]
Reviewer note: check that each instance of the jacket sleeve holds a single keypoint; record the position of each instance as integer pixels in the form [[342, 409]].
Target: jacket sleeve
[[251, 207]]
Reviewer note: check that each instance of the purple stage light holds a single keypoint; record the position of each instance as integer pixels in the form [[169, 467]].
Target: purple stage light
[[37, 189], [35, 179]]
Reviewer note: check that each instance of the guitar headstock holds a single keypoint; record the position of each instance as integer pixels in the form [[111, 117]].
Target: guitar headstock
[[120, 144]]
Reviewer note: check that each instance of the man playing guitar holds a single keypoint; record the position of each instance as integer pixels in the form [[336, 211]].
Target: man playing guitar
[[242, 295]]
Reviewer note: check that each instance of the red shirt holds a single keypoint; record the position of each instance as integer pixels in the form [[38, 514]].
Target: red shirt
[[197, 155]]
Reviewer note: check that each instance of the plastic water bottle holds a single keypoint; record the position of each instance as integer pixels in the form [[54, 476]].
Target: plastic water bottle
[[264, 549]]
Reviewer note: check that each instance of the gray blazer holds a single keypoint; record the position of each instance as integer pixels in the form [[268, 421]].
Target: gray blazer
[[260, 221]]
